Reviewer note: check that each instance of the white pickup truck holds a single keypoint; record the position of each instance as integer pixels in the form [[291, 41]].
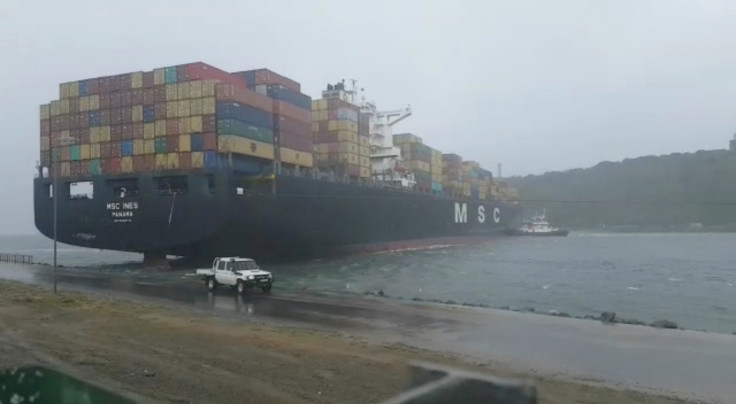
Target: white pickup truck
[[241, 273]]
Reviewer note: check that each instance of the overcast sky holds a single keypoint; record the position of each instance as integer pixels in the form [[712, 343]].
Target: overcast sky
[[535, 85]]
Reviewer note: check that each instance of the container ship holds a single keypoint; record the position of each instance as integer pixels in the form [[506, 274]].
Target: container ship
[[195, 161]]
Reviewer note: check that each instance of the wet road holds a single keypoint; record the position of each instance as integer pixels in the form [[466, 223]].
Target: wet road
[[690, 363]]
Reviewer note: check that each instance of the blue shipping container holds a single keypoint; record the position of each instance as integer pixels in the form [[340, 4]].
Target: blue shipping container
[[197, 142], [126, 148], [149, 114], [94, 119], [244, 113], [170, 75], [210, 159], [281, 93], [436, 186], [83, 88]]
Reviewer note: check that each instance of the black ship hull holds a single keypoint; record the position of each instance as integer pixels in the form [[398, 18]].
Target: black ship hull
[[220, 213]]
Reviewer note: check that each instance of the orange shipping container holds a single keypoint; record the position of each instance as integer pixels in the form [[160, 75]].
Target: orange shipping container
[[185, 143], [126, 164], [197, 159], [294, 112]]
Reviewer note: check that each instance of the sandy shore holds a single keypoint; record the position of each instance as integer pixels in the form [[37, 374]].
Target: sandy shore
[[183, 355]]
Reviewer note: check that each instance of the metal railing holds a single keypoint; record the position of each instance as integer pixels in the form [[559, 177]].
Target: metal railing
[[16, 258]]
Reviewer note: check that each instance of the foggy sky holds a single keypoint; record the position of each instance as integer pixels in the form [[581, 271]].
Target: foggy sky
[[535, 85]]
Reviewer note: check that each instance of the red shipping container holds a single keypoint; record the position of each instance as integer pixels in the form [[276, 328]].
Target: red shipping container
[[73, 105], [65, 155], [126, 98], [138, 130], [139, 163], [54, 136], [332, 114], [65, 122], [93, 86], [149, 162], [265, 76], [73, 122], [126, 114], [84, 136], [127, 131], [292, 111], [147, 79], [136, 96], [105, 150], [286, 124], [185, 161], [209, 141], [295, 142], [209, 123], [172, 144], [203, 71], [116, 116], [113, 166], [45, 127], [104, 100], [74, 168], [116, 99], [324, 126], [115, 149], [55, 123], [182, 73], [83, 120], [160, 110], [105, 117], [105, 84], [116, 132], [159, 93], [172, 127], [149, 96], [232, 92]]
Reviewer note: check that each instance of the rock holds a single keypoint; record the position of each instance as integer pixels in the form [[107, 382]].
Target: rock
[[664, 324], [380, 293], [590, 317], [608, 317], [416, 299], [563, 314], [529, 309]]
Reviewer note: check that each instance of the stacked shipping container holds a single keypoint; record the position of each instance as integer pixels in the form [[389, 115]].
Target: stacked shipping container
[[452, 174], [340, 138], [291, 115], [422, 160]]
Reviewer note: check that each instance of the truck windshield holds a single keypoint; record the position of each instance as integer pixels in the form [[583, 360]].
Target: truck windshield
[[245, 265]]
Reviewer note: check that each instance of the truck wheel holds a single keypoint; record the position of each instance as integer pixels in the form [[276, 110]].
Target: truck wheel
[[211, 284], [266, 289], [241, 288]]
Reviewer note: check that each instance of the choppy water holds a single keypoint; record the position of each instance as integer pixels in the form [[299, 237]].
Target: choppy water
[[687, 278]]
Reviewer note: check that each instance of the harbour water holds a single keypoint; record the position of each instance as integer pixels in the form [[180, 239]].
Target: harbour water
[[686, 278]]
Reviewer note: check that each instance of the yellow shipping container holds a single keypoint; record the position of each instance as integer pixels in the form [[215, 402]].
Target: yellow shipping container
[[182, 90], [172, 109], [160, 128], [197, 159], [184, 126], [185, 143], [184, 109], [172, 92], [348, 147], [208, 105], [105, 134], [83, 104], [45, 143], [139, 147], [64, 90], [331, 125], [136, 80], [324, 115], [196, 106], [195, 124], [172, 161], [74, 89], [195, 89], [64, 106], [84, 151], [126, 164], [149, 146], [291, 156], [347, 125], [65, 169], [94, 151], [45, 111], [161, 161], [149, 130], [94, 102], [208, 88], [346, 136], [159, 76], [55, 108], [248, 147], [138, 113], [319, 104]]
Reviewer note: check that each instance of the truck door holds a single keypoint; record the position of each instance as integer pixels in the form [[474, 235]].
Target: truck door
[[222, 274]]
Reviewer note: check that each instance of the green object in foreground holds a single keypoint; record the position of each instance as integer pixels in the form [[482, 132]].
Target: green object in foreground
[[40, 385]]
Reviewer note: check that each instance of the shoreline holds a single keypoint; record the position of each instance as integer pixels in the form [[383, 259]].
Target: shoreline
[[154, 350]]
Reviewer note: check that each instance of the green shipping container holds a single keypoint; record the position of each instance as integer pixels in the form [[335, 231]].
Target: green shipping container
[[75, 153], [170, 75], [95, 167], [56, 154], [242, 129], [160, 147]]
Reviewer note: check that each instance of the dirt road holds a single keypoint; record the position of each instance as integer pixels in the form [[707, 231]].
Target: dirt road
[[186, 355]]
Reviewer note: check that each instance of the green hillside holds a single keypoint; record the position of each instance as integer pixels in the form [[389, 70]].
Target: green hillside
[[661, 192]]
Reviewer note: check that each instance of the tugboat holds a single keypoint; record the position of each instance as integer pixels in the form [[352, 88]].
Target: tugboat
[[537, 226]]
